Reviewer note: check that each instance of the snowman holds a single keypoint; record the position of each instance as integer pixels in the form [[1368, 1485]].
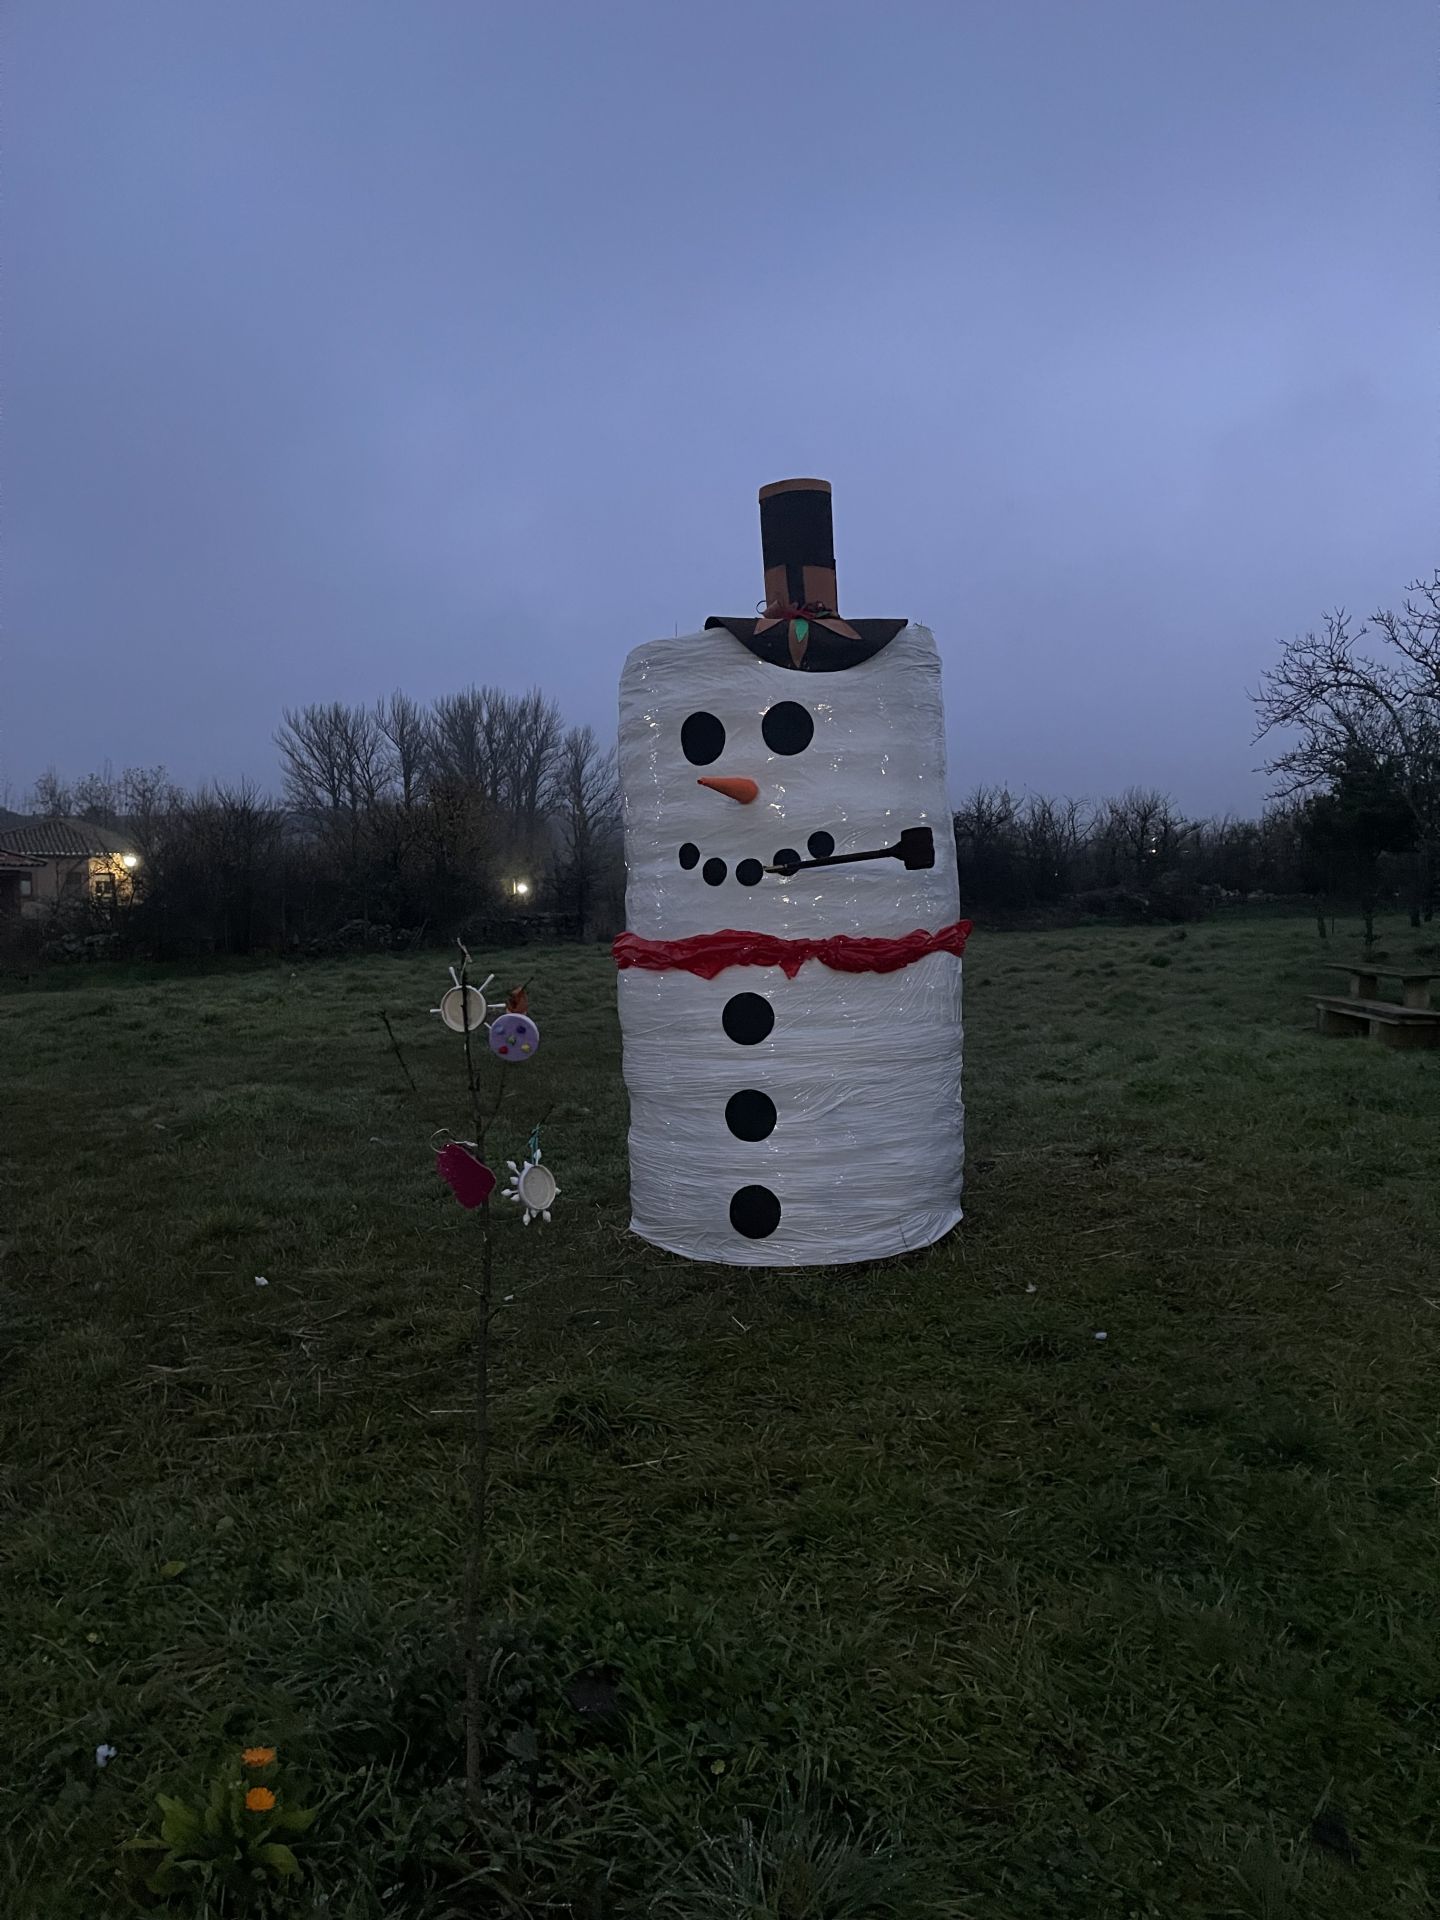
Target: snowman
[[789, 978]]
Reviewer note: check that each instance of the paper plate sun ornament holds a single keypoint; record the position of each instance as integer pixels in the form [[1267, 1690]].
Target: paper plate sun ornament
[[455, 1003], [790, 974], [533, 1187]]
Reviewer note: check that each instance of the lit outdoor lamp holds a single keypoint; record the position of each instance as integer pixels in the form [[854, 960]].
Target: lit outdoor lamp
[[130, 860], [520, 887]]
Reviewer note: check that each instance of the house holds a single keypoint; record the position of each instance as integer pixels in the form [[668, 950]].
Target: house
[[45, 864], [17, 883]]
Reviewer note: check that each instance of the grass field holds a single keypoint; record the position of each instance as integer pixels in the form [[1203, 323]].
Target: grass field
[[921, 1598]]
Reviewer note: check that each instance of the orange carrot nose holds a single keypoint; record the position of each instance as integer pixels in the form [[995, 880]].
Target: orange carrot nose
[[742, 790]]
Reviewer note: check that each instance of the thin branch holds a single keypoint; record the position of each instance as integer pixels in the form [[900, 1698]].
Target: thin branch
[[476, 1559], [398, 1054]]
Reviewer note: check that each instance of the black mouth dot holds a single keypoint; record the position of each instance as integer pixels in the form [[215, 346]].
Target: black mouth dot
[[749, 873], [821, 845], [713, 872], [689, 855], [786, 857]]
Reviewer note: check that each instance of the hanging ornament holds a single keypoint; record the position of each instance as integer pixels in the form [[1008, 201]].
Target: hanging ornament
[[532, 1186], [467, 1176], [471, 998], [514, 1037]]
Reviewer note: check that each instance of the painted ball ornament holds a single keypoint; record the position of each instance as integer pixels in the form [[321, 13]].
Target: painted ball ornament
[[514, 1037]]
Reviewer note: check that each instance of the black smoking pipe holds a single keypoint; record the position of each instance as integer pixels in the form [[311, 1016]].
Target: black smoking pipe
[[915, 848]]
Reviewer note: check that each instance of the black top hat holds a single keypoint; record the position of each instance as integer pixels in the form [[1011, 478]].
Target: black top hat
[[801, 626]]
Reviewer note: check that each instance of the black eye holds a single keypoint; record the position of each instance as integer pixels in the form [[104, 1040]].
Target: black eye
[[821, 845], [702, 739], [787, 728]]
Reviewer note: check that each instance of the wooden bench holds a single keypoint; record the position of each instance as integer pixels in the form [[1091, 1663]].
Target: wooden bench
[[1365, 977], [1384, 1021]]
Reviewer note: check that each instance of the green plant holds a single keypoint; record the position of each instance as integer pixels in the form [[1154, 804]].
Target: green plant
[[794, 1864], [225, 1845]]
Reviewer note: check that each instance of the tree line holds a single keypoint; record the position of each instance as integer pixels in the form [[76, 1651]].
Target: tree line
[[1354, 818], [397, 818], [392, 819], [1135, 856]]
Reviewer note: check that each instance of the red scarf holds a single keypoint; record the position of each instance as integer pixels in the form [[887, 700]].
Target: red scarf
[[710, 953]]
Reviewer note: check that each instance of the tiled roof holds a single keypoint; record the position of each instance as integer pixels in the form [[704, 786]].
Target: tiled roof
[[63, 840], [21, 862]]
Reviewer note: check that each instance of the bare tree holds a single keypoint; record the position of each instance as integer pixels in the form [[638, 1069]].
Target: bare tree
[[1334, 699], [498, 750], [1341, 703], [97, 797], [1414, 634], [1052, 835], [51, 797], [986, 844], [584, 793], [395, 822], [466, 823], [532, 751], [469, 738], [150, 803], [337, 772], [333, 757], [240, 834], [1145, 829], [406, 727]]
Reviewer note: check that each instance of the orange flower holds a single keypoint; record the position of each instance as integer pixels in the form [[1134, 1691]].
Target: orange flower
[[259, 1756], [259, 1799]]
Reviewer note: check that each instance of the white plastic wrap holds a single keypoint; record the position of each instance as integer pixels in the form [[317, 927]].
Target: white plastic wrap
[[864, 1154]]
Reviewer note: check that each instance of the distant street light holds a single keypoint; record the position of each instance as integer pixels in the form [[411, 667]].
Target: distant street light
[[130, 860], [520, 886]]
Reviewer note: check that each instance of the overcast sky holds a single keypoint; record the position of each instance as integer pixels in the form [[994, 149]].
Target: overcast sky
[[348, 344]]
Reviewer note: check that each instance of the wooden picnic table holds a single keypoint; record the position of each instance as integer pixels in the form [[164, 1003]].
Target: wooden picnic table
[[1366, 975]]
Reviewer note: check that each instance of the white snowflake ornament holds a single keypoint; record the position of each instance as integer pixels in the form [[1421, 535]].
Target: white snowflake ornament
[[532, 1187]]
